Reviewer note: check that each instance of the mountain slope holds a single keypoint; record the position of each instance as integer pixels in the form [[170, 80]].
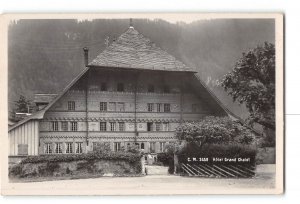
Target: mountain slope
[[45, 55]]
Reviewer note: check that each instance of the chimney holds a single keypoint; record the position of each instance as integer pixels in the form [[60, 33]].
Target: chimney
[[130, 23], [86, 56]]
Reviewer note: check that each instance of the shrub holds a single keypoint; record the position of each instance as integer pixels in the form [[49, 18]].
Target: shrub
[[101, 147], [51, 167], [167, 157], [214, 130], [268, 139], [126, 156], [15, 170], [133, 149], [162, 158]]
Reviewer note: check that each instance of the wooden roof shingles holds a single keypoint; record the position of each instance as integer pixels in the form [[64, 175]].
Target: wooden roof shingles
[[133, 50]]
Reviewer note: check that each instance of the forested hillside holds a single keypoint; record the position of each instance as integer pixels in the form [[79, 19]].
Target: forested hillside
[[45, 55]]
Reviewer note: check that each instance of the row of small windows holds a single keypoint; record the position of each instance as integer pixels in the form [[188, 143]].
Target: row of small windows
[[151, 88], [141, 145], [57, 148], [160, 107], [64, 126], [113, 126], [120, 88], [158, 126], [113, 106], [77, 147], [120, 106]]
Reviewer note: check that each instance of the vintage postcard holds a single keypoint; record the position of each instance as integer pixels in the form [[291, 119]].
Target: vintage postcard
[[142, 104]]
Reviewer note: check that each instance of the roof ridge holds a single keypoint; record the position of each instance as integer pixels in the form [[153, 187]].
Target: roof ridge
[[133, 49]]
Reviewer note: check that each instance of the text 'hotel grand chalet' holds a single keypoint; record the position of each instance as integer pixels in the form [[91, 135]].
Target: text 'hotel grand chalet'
[[132, 94]]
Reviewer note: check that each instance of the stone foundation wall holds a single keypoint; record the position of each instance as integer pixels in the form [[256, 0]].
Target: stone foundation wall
[[76, 169]]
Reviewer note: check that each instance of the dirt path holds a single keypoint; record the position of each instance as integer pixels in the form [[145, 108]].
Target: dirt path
[[160, 184]]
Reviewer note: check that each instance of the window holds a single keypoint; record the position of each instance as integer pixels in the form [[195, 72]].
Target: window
[[78, 147], [112, 106], [166, 126], [162, 146], [121, 107], [120, 87], [166, 89], [74, 126], [142, 146], [150, 107], [58, 148], [158, 126], [64, 126], [102, 126], [121, 126], [150, 88], [55, 126], [103, 106], [22, 149], [149, 126], [112, 126], [159, 107], [152, 147], [195, 107], [71, 105], [117, 146], [103, 86], [69, 149], [48, 148], [167, 107]]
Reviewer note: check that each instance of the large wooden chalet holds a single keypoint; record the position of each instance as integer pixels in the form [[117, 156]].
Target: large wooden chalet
[[133, 93]]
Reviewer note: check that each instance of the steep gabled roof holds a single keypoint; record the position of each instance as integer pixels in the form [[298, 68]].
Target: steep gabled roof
[[135, 51]]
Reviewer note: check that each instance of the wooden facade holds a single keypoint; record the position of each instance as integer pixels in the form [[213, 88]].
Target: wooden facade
[[24, 139], [120, 104]]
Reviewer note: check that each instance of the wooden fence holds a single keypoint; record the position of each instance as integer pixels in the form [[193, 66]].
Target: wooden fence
[[217, 170]]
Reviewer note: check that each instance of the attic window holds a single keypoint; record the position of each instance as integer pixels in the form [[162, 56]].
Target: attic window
[[166, 89], [71, 105], [103, 86], [150, 88], [120, 87]]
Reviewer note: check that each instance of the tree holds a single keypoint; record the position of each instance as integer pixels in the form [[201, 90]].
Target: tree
[[214, 130], [22, 105], [252, 82]]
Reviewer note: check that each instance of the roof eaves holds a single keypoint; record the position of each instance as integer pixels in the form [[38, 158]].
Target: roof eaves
[[35, 116]]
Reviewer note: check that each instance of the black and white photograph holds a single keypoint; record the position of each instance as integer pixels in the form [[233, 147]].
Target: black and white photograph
[[144, 104]]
